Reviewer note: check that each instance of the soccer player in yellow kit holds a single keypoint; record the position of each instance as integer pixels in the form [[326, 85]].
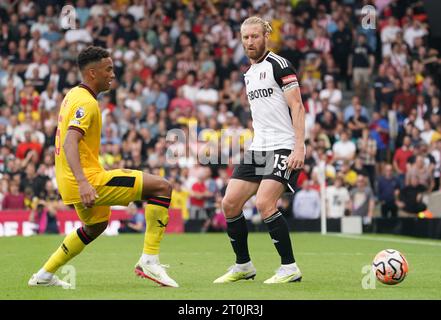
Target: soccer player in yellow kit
[[83, 182]]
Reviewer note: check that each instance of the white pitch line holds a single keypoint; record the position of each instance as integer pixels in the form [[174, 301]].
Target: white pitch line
[[418, 242]]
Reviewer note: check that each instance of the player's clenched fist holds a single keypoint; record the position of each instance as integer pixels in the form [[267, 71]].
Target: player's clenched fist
[[296, 159], [87, 193]]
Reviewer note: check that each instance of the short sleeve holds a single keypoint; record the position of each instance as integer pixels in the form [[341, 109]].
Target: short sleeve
[[82, 117], [369, 194], [284, 73], [346, 196], [139, 218]]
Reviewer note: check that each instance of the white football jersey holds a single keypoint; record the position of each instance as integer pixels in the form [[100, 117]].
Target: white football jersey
[[265, 83]]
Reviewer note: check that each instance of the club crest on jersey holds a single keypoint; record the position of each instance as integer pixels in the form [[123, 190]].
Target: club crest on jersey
[[288, 79], [262, 75], [79, 113]]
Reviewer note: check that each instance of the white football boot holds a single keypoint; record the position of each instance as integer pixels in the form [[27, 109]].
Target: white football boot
[[53, 282], [285, 274], [238, 272], [156, 273]]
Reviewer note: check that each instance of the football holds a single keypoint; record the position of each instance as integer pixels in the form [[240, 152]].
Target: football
[[390, 266]]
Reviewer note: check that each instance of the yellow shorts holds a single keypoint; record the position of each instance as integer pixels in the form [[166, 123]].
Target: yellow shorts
[[114, 187]]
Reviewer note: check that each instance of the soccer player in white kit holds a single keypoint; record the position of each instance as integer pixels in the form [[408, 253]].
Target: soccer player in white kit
[[274, 158]]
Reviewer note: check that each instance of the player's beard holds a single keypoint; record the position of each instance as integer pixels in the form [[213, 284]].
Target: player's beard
[[257, 53]]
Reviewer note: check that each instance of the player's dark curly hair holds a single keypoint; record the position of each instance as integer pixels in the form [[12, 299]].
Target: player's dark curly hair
[[91, 54]]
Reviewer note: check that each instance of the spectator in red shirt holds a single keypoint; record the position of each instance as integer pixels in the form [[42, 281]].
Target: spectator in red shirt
[[13, 199], [26, 145], [198, 194], [400, 159], [180, 103], [406, 97]]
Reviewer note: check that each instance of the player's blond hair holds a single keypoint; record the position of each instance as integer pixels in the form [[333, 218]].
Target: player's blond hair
[[266, 27]]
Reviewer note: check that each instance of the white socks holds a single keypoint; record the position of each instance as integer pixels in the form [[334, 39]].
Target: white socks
[[244, 266], [149, 258], [291, 266], [44, 275]]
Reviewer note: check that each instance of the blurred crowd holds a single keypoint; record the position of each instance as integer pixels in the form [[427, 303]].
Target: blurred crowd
[[371, 96]]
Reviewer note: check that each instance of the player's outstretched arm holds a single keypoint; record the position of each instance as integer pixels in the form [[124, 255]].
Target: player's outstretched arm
[[87, 192], [294, 100]]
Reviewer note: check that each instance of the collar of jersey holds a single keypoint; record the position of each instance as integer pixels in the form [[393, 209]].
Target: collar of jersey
[[263, 57], [82, 85]]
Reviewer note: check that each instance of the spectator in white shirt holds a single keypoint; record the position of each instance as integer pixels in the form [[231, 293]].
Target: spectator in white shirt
[[25, 7], [137, 9], [207, 98], [43, 68], [190, 88], [11, 78], [337, 199], [99, 8], [40, 25], [398, 56], [414, 31], [331, 93], [362, 198], [78, 35], [49, 98], [314, 105], [307, 202], [388, 35], [133, 103], [344, 149], [221, 30], [421, 106], [427, 133]]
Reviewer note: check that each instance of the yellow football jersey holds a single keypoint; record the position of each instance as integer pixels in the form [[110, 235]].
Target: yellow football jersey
[[79, 111]]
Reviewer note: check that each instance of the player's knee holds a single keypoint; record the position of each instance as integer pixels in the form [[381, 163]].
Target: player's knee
[[161, 188], [230, 207], [166, 188], [264, 207], [94, 230]]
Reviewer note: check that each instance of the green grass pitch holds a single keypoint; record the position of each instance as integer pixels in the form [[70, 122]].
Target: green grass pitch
[[331, 265]]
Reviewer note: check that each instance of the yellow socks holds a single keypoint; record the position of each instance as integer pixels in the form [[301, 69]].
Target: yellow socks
[[72, 245], [156, 218]]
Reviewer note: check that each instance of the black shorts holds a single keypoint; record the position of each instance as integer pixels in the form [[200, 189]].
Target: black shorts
[[258, 165]]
